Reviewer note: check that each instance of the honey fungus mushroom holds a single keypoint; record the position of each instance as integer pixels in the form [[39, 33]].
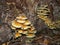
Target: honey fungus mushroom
[[42, 13], [16, 24], [17, 35], [25, 27], [27, 22], [22, 25], [13, 27], [30, 35], [21, 17], [20, 31], [21, 21], [25, 32], [32, 31]]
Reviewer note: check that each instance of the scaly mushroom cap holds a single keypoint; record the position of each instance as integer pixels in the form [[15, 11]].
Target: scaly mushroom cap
[[30, 35], [21, 17], [25, 27], [16, 24], [17, 35], [20, 31], [27, 22]]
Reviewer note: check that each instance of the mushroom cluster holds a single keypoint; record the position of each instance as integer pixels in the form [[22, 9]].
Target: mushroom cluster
[[42, 12], [22, 26]]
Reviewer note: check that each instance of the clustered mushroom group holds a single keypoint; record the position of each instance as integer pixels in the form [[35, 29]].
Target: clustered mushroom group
[[22, 26], [43, 12]]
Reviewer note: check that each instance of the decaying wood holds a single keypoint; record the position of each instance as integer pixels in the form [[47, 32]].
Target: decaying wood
[[44, 35]]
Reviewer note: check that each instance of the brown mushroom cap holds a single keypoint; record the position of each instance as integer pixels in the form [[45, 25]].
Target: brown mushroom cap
[[16, 24]]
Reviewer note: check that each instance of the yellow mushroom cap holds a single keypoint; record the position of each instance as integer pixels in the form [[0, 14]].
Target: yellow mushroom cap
[[13, 27], [27, 22], [32, 28], [21, 21], [32, 31], [30, 35], [17, 35], [20, 31], [21, 17], [25, 32], [43, 18], [16, 24], [25, 27]]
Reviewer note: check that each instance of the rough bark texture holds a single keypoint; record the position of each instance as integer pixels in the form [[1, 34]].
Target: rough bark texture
[[44, 35]]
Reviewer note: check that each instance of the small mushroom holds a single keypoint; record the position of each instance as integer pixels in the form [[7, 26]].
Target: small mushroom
[[27, 22], [13, 27], [21, 17], [20, 31], [32, 31], [32, 28], [21, 21], [44, 5], [17, 35], [30, 35], [25, 32], [25, 27], [42, 16], [16, 24]]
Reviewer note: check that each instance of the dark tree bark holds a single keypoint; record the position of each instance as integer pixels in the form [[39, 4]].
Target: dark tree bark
[[44, 35]]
